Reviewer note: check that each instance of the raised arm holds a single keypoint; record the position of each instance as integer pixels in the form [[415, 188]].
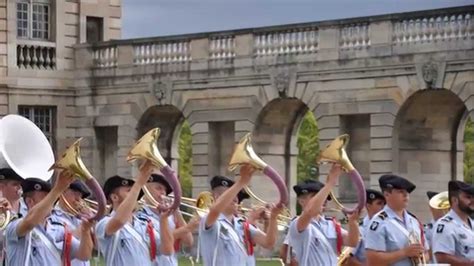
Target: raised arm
[[315, 204], [166, 245], [124, 212], [40, 211], [229, 195], [268, 239], [184, 231], [87, 244]]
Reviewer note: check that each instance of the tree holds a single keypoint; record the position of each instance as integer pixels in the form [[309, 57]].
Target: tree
[[185, 161], [469, 152], [308, 148]]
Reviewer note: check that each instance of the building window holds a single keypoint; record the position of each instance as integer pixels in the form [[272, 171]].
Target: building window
[[33, 19], [94, 32], [44, 117]]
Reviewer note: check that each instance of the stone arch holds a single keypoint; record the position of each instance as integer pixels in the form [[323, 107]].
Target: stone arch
[[425, 142], [169, 119], [274, 139]]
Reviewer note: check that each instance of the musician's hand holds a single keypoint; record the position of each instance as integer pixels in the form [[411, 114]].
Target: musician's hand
[[413, 250], [334, 173], [86, 225], [354, 217], [4, 205], [276, 210], [193, 224], [256, 214], [164, 214], [246, 172], [145, 172], [64, 179]]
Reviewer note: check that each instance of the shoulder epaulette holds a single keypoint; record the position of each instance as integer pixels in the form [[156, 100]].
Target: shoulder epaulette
[[294, 218], [328, 218], [411, 214], [56, 223], [382, 215], [447, 219], [142, 218]]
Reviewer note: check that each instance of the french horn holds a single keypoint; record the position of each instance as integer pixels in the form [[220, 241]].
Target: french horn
[[335, 153], [71, 161], [146, 149], [245, 154]]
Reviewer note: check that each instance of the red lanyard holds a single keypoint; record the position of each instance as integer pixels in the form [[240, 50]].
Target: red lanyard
[[67, 246], [247, 238], [151, 234], [338, 235]]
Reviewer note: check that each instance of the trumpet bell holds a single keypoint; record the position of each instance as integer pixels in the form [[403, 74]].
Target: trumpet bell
[[245, 154], [24, 148], [335, 153], [440, 201], [146, 148], [72, 162], [204, 201]]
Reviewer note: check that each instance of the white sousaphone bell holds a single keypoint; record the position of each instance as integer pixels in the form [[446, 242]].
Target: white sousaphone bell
[[25, 149]]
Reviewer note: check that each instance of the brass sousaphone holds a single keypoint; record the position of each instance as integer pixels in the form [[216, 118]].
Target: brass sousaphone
[[26, 150]]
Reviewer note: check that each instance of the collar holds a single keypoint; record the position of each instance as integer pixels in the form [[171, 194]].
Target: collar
[[365, 221], [222, 217], [458, 219], [391, 214]]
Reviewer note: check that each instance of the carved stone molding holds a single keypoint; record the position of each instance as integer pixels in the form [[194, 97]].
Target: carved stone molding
[[161, 90], [431, 74], [283, 80]]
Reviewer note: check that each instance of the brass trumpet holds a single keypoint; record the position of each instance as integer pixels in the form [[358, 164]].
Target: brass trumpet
[[414, 238]]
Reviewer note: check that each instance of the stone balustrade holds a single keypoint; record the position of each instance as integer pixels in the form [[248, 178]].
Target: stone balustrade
[[32, 56], [434, 28], [105, 56], [358, 36], [161, 53]]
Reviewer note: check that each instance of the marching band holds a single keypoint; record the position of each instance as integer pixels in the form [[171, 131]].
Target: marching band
[[138, 221]]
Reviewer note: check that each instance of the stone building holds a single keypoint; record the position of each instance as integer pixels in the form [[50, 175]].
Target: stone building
[[402, 85]]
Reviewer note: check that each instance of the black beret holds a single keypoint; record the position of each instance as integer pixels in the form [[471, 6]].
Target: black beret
[[308, 186], [373, 194], [35, 184], [242, 195], [115, 182], [431, 194], [9, 174], [80, 187], [221, 181], [456, 185], [395, 181], [157, 178]]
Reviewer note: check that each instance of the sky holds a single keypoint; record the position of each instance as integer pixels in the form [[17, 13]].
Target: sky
[[147, 18]]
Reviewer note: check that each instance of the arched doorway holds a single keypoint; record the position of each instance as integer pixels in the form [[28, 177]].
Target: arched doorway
[[275, 140], [167, 118], [426, 146], [174, 142]]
